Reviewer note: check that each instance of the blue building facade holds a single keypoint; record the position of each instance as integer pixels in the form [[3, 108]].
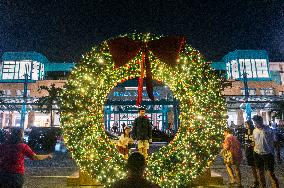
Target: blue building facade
[[21, 73], [256, 82]]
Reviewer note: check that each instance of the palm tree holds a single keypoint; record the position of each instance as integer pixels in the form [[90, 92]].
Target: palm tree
[[48, 103]]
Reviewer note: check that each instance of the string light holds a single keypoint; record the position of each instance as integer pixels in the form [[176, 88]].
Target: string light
[[202, 116]]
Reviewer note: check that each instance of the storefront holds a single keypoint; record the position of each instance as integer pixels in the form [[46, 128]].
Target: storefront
[[120, 107]]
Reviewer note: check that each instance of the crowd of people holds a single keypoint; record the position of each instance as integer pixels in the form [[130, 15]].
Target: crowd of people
[[260, 141], [259, 147]]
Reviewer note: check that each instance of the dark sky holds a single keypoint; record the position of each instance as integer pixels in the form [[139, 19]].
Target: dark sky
[[66, 29]]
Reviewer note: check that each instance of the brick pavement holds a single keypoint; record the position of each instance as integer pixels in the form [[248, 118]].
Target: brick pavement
[[52, 174]]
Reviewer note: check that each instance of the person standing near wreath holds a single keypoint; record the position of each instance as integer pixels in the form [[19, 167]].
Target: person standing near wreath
[[249, 151], [142, 132], [124, 141], [232, 155], [12, 155], [263, 141]]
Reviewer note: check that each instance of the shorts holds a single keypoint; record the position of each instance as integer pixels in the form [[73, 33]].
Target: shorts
[[249, 156], [122, 150], [143, 144], [11, 180], [264, 162]]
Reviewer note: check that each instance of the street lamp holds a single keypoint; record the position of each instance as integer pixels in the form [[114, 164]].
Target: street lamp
[[248, 107], [24, 104]]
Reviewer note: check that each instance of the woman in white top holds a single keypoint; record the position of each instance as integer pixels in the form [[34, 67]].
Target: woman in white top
[[124, 141]]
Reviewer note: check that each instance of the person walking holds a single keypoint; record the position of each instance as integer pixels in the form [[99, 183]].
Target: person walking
[[135, 178], [12, 155], [263, 141], [232, 157], [249, 151], [142, 131]]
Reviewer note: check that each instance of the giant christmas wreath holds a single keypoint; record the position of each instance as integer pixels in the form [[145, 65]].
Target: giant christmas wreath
[[193, 83]]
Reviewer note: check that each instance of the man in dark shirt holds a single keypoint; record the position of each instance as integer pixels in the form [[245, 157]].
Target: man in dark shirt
[[142, 131], [135, 165]]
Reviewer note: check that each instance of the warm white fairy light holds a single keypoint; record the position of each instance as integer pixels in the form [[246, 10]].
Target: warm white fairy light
[[201, 115]]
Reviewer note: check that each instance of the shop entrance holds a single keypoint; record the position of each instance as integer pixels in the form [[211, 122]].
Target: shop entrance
[[120, 108]]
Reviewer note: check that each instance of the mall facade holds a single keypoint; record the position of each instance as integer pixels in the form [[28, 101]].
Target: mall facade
[[22, 73]]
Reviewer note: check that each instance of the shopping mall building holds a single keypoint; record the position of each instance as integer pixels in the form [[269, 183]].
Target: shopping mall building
[[22, 73]]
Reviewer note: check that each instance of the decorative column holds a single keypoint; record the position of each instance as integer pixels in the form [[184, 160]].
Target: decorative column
[[268, 118], [31, 119], [2, 120], [11, 119], [240, 117], [263, 115], [258, 112]]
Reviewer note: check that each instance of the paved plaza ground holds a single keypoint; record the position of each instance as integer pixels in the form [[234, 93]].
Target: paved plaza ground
[[53, 173]]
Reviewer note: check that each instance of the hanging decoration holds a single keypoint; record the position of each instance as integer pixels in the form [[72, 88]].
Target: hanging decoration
[[166, 49]]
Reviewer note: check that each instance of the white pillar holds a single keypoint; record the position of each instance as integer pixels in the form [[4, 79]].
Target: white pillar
[[240, 117], [258, 112]]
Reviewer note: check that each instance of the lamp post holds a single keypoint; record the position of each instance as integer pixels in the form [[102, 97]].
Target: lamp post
[[248, 107], [24, 104]]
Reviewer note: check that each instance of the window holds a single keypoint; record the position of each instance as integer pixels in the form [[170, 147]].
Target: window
[[252, 91], [19, 93], [254, 68], [235, 72], [267, 91], [9, 69], [7, 92], [18, 69]]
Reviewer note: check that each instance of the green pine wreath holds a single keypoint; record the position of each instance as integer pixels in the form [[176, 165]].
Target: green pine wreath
[[202, 116]]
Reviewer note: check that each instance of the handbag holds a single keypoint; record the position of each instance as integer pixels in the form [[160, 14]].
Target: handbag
[[228, 156]]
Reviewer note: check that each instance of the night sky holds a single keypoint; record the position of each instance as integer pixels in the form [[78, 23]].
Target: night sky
[[66, 29]]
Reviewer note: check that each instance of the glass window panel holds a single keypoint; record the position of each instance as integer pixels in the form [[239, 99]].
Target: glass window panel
[[8, 75], [263, 62], [265, 74], [8, 62], [258, 63], [241, 62], [235, 71], [42, 71], [247, 64], [262, 91], [252, 92], [228, 67], [8, 69], [252, 64], [25, 67], [259, 74], [35, 70], [249, 74]]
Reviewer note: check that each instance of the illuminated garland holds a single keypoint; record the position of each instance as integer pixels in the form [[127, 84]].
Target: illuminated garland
[[202, 116]]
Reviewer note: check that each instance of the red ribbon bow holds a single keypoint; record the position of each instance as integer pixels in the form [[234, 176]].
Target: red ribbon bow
[[166, 49]]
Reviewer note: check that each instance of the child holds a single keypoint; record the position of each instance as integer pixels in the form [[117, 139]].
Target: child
[[123, 142]]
